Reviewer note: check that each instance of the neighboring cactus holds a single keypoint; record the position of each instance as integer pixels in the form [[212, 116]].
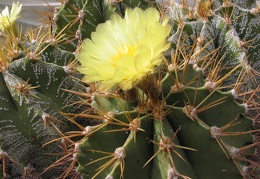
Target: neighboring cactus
[[230, 34], [79, 18], [33, 74], [191, 120]]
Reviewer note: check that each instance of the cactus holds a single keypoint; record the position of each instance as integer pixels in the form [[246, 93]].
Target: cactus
[[192, 119], [82, 17], [178, 137], [191, 115], [34, 72]]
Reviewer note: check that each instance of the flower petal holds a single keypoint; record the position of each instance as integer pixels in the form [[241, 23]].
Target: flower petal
[[123, 51]]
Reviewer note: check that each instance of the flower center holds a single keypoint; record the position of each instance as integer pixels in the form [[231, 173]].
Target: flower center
[[123, 50], [127, 50]]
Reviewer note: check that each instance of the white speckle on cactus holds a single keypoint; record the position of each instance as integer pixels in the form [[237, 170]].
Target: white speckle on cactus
[[197, 68], [255, 11], [67, 70], [227, 4], [74, 156], [190, 112], [55, 17], [75, 54], [215, 132], [45, 116], [76, 151], [81, 14], [109, 177], [120, 153], [41, 68], [175, 11], [172, 67], [78, 34], [62, 141], [87, 130], [109, 116], [92, 99], [210, 85], [32, 56], [244, 169], [4, 99], [34, 42], [4, 109], [88, 90], [246, 106], [172, 174], [177, 88], [234, 93], [51, 41], [234, 152]]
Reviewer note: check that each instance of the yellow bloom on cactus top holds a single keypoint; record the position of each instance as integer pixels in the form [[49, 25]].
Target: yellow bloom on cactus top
[[8, 18], [124, 50]]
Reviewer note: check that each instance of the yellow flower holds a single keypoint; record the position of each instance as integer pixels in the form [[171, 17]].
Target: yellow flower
[[124, 50], [8, 18]]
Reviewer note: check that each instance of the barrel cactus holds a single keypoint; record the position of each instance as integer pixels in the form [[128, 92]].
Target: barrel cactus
[[33, 73], [174, 91], [193, 114]]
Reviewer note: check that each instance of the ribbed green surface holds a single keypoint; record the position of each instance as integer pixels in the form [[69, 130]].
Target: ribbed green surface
[[200, 44], [208, 161], [31, 92]]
